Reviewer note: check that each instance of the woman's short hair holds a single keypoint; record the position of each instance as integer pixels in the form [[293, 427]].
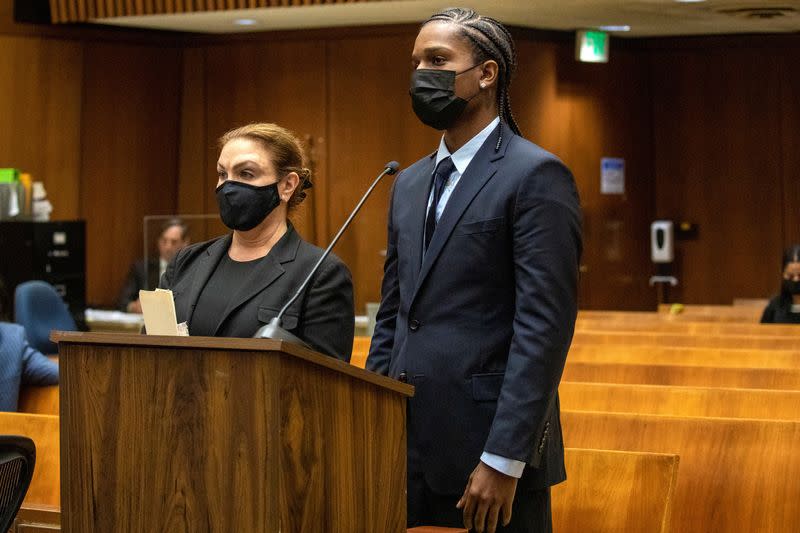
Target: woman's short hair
[[284, 147]]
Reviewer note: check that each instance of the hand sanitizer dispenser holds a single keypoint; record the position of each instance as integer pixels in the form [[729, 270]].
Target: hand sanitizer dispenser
[[662, 241]]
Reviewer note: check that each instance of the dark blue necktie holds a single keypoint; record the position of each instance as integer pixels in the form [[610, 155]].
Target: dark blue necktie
[[440, 175]]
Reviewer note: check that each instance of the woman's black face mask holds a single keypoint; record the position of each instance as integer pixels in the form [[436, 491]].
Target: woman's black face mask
[[433, 97], [243, 206], [791, 286]]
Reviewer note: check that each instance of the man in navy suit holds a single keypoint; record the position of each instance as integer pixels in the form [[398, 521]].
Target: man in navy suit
[[479, 296], [20, 364]]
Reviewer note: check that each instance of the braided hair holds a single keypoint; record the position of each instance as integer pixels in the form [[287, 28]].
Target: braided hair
[[489, 40]]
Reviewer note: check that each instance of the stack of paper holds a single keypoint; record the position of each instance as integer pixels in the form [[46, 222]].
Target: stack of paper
[[158, 308]]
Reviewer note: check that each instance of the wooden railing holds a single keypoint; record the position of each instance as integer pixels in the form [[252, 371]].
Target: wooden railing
[[64, 11]]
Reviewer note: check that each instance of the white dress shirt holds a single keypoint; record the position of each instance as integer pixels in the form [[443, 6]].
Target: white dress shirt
[[461, 160]]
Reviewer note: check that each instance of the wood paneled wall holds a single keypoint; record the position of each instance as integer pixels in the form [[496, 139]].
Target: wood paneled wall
[[96, 118], [123, 124], [41, 82], [725, 116], [129, 153], [582, 113], [349, 92]]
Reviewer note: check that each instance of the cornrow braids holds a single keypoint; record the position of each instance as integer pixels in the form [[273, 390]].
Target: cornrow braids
[[490, 40]]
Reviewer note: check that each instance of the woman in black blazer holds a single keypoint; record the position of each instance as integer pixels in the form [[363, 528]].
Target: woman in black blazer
[[232, 285]]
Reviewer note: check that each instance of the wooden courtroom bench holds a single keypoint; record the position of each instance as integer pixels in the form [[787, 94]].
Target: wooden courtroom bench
[[44, 431], [38, 400], [765, 342], [659, 325], [697, 376], [670, 355], [610, 491], [37, 519], [360, 351], [735, 475], [680, 401], [719, 313], [709, 314], [615, 491]]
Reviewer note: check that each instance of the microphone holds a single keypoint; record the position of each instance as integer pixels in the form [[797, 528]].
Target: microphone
[[274, 330]]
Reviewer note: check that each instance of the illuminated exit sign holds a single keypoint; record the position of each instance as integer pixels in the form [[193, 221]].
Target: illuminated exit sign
[[591, 46]]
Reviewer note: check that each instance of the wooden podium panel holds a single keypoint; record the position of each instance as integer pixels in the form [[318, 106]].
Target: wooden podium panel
[[187, 434]]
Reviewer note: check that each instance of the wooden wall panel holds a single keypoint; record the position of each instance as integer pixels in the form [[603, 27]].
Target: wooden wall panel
[[717, 159], [129, 153], [790, 145], [194, 172], [370, 122], [40, 110], [270, 81], [578, 112], [583, 112]]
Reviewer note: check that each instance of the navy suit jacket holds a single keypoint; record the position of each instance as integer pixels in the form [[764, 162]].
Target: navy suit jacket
[[21, 364], [482, 323]]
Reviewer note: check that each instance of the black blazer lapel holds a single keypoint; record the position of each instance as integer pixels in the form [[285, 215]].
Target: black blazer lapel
[[284, 251], [205, 267], [480, 170]]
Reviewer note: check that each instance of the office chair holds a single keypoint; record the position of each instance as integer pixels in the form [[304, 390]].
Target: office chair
[[17, 460], [40, 309]]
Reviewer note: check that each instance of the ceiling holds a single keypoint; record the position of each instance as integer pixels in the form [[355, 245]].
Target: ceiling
[[646, 18]]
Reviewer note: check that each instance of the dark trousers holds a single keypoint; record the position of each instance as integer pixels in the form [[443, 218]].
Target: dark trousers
[[530, 512]]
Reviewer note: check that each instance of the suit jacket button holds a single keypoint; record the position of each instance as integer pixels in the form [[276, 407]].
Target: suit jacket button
[[414, 325], [541, 448]]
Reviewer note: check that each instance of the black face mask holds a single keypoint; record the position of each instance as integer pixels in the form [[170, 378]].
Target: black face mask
[[790, 286], [433, 97], [243, 206]]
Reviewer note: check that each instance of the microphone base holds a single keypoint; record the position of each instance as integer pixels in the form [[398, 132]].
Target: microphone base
[[274, 331]]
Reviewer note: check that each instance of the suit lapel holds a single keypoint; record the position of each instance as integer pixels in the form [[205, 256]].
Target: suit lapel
[[420, 192], [480, 170], [284, 251], [205, 267]]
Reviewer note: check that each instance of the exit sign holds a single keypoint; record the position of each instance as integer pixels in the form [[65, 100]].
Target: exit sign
[[591, 46]]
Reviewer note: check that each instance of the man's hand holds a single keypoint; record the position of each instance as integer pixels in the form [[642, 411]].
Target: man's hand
[[135, 307], [489, 494]]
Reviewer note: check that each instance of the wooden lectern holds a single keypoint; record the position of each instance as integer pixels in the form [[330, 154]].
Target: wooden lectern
[[201, 434]]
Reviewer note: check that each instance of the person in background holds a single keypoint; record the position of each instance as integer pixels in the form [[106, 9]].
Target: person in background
[[233, 285], [173, 237], [19, 363], [479, 294], [785, 308]]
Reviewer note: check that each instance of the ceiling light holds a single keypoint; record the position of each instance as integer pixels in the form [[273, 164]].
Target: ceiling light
[[623, 27], [689, 1], [245, 22]]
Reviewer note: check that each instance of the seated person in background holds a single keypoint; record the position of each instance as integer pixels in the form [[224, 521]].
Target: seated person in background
[[233, 285], [19, 363], [174, 236], [785, 308]]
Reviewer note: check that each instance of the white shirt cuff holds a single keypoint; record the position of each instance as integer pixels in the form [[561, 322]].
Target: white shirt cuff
[[509, 467]]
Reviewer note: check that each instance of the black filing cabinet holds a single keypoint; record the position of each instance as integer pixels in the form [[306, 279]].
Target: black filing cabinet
[[54, 252]]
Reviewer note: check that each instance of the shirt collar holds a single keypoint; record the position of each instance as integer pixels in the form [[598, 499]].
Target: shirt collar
[[463, 156]]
